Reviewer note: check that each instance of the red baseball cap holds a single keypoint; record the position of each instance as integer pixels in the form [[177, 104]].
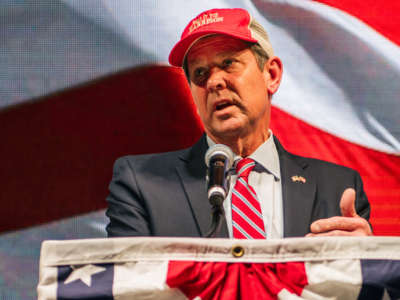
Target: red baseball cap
[[234, 22]]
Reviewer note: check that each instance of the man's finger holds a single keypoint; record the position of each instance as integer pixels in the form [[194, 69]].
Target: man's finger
[[337, 223], [347, 203], [333, 233]]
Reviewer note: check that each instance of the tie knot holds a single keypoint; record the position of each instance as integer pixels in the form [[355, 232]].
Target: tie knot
[[244, 167]]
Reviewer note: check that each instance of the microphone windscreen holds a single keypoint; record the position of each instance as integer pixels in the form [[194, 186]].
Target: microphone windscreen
[[219, 149]]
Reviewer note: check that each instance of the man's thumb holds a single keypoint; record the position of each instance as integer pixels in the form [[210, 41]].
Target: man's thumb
[[347, 203]]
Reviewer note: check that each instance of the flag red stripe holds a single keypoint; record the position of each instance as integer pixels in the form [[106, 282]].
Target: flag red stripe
[[222, 280], [380, 171], [60, 150], [382, 15]]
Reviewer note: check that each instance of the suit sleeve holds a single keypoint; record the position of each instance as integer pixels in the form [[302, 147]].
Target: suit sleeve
[[126, 209]]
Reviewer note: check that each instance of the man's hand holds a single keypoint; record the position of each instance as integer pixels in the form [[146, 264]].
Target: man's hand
[[349, 224]]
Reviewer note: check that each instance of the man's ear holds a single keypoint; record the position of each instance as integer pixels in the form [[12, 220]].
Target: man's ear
[[273, 70]]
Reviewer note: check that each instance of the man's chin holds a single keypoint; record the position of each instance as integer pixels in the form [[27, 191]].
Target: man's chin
[[226, 132]]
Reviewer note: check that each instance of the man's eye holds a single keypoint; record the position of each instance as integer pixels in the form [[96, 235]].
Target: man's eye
[[227, 62], [199, 76], [200, 72]]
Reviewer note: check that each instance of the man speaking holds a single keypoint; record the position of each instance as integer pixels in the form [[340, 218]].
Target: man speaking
[[232, 73]]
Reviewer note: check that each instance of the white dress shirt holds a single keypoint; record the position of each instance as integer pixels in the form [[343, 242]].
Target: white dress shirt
[[265, 178]]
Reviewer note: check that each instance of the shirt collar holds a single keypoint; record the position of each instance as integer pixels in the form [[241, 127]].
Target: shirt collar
[[266, 155]]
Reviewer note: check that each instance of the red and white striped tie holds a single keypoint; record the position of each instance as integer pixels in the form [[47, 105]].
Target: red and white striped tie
[[247, 220]]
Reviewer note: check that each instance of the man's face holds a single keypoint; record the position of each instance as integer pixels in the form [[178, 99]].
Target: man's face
[[230, 91]]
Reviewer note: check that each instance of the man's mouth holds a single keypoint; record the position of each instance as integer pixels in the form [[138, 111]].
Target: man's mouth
[[223, 104]]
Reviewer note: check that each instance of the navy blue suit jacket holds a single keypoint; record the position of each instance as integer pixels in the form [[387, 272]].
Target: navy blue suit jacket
[[165, 194]]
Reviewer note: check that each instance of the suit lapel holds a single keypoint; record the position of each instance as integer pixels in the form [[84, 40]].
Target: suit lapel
[[192, 173], [298, 196]]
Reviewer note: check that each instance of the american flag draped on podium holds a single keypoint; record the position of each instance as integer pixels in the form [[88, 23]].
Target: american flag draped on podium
[[339, 101], [211, 269]]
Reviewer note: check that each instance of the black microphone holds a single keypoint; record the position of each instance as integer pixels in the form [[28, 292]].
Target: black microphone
[[219, 159]]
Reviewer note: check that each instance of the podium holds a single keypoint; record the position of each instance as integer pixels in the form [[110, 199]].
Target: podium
[[211, 269]]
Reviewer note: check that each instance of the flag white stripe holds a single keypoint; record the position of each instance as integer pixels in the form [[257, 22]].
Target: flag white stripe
[[320, 65], [339, 95], [334, 276]]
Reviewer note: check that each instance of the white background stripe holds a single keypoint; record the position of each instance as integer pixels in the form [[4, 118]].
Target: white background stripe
[[339, 74]]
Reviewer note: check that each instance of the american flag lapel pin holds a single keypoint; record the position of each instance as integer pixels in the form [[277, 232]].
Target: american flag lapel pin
[[297, 178]]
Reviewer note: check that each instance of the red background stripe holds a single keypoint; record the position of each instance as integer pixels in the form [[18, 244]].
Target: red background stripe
[[380, 171], [382, 15], [59, 151]]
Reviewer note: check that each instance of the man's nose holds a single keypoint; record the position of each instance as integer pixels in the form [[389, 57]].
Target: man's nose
[[216, 80]]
